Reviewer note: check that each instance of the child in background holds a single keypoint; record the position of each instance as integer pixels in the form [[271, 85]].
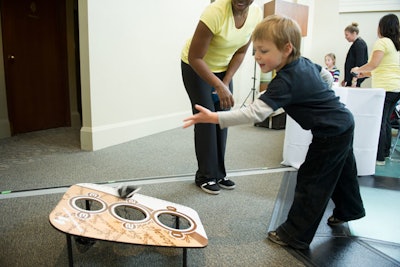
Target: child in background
[[302, 89], [330, 62]]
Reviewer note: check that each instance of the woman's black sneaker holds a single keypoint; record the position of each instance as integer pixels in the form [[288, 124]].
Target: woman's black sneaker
[[210, 187], [226, 183]]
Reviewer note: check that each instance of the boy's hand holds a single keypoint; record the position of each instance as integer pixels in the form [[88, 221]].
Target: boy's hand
[[204, 116]]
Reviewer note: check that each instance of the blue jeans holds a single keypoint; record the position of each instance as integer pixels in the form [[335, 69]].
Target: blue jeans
[[385, 135], [329, 171]]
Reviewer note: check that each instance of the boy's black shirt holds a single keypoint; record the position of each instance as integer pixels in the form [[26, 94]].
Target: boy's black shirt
[[299, 89]]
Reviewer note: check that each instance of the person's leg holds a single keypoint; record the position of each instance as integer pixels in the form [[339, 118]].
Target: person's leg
[[205, 138], [222, 135], [346, 196], [210, 140], [222, 180], [316, 181], [393, 98], [381, 153], [385, 136]]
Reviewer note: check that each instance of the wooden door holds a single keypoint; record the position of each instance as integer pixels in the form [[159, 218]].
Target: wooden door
[[35, 55]]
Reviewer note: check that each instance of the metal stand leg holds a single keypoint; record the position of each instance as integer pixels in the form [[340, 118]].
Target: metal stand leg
[[253, 89], [69, 247], [184, 260], [184, 257]]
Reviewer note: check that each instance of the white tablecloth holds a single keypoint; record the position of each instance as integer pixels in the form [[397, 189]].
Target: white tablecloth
[[366, 104]]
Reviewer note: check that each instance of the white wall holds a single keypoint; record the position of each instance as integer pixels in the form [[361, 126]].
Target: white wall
[[328, 32], [131, 77], [130, 56]]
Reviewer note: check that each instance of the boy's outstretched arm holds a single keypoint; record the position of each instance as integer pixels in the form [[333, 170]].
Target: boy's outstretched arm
[[255, 112], [204, 116]]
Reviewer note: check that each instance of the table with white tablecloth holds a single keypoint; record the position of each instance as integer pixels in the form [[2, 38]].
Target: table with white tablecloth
[[366, 104]]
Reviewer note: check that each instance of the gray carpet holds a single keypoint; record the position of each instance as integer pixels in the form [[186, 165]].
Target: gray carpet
[[53, 157], [235, 221]]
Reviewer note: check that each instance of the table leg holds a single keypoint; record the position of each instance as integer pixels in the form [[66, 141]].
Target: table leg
[[177, 222], [184, 249], [69, 247], [184, 257]]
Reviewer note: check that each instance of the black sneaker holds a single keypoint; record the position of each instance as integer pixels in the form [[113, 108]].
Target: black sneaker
[[333, 221], [210, 187], [226, 183], [274, 237]]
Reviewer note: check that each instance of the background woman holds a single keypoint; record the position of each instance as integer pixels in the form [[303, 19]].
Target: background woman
[[357, 54], [384, 67]]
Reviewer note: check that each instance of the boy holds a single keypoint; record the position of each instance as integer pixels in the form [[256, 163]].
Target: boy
[[329, 170]]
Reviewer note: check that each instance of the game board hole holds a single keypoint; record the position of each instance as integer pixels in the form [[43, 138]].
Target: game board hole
[[88, 204], [130, 213], [174, 221]]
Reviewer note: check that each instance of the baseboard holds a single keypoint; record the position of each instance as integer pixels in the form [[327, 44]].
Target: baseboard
[[95, 138]]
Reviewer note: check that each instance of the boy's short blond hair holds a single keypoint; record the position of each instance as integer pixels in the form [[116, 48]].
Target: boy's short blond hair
[[280, 30]]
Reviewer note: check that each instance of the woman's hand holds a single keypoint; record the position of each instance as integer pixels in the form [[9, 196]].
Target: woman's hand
[[355, 71], [225, 96], [204, 116], [360, 74]]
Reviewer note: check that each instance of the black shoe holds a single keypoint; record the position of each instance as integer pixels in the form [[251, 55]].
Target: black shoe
[[333, 221], [380, 162], [226, 183], [210, 187], [273, 236]]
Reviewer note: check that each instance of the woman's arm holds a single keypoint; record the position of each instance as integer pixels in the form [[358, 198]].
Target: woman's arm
[[198, 49], [365, 70]]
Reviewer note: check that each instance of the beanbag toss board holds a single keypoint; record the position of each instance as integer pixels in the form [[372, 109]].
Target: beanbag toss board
[[98, 212]]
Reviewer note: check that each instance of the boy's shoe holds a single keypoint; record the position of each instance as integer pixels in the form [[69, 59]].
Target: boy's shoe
[[333, 221], [274, 237], [210, 187], [380, 163], [226, 183]]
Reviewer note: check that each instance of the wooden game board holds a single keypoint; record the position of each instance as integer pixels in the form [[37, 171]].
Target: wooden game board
[[97, 211]]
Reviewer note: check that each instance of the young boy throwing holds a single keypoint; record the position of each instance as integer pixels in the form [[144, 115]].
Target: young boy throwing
[[300, 87]]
